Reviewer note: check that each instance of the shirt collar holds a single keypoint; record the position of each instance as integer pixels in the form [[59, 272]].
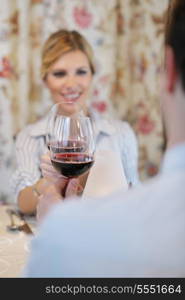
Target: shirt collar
[[174, 159], [39, 128]]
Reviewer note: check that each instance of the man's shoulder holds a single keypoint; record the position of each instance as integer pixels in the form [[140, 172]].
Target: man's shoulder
[[159, 184]]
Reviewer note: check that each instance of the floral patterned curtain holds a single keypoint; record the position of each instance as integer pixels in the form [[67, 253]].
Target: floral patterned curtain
[[127, 38]]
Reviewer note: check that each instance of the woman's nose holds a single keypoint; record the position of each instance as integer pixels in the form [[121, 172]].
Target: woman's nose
[[70, 82]]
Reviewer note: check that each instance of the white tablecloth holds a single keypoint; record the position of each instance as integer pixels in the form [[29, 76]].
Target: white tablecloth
[[14, 248]]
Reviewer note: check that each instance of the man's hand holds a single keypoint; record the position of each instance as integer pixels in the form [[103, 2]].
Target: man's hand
[[73, 188], [52, 195]]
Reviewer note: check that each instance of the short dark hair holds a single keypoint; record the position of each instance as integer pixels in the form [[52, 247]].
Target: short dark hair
[[175, 34]]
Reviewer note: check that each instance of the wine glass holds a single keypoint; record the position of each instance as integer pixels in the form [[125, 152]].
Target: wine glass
[[67, 109], [72, 143]]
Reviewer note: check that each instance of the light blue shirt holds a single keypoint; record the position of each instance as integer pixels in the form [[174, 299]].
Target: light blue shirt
[[174, 159], [140, 233]]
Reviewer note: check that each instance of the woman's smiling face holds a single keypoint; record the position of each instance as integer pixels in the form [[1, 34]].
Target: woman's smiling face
[[69, 79]]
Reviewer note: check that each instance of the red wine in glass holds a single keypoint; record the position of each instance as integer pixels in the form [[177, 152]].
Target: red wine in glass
[[72, 164], [71, 142]]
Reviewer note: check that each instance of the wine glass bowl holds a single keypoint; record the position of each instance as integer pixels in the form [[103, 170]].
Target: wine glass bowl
[[62, 109], [71, 144]]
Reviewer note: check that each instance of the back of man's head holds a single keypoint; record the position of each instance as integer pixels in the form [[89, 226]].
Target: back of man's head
[[175, 34]]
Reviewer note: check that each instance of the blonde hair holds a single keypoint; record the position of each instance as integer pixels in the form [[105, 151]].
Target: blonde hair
[[61, 42]]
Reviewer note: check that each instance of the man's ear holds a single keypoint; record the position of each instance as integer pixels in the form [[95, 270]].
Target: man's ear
[[171, 70]]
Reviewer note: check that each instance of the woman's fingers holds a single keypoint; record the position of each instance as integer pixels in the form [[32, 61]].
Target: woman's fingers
[[53, 176], [50, 170], [47, 168], [46, 158]]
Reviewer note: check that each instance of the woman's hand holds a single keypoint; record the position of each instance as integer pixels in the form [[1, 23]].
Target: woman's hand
[[53, 187], [48, 170], [67, 187]]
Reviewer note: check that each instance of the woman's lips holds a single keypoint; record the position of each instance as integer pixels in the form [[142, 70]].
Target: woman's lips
[[71, 97]]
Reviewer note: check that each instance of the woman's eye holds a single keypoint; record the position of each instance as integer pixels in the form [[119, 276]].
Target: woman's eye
[[81, 72], [59, 74]]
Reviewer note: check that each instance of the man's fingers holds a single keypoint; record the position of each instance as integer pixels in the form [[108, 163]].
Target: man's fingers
[[72, 187], [49, 197], [80, 189]]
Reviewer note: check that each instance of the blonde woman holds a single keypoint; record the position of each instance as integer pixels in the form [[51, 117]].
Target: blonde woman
[[67, 71]]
